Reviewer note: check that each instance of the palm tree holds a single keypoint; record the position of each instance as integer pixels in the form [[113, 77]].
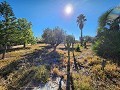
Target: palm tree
[[108, 22], [104, 20], [80, 21]]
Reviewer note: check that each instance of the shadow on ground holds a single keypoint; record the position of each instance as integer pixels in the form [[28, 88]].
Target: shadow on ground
[[38, 57], [15, 49]]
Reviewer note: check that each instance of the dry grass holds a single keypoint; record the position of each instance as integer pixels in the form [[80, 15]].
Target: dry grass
[[18, 54], [82, 82], [56, 71]]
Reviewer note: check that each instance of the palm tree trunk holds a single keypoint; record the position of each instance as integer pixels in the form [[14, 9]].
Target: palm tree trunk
[[81, 38]]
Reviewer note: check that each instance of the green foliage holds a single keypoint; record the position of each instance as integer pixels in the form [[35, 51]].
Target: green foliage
[[33, 40], [70, 39], [77, 48], [42, 74], [7, 23], [107, 43], [81, 20], [53, 36], [103, 20], [25, 33], [13, 31], [7, 26], [88, 39]]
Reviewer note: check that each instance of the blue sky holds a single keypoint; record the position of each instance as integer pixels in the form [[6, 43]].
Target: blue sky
[[50, 13]]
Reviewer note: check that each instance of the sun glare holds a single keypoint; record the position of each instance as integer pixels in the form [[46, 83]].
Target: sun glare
[[68, 9]]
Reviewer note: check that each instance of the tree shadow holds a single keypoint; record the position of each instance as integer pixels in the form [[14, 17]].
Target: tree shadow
[[47, 47], [15, 49], [71, 49], [65, 49], [36, 58]]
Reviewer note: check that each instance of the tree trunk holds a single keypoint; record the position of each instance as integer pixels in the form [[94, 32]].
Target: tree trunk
[[24, 45], [5, 48], [68, 71], [54, 48], [81, 38]]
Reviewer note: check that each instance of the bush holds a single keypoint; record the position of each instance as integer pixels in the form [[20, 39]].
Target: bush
[[77, 48], [42, 74], [108, 45], [82, 82], [107, 42]]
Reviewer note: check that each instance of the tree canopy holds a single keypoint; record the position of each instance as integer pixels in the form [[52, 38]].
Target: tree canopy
[[12, 30], [107, 42], [53, 36], [25, 31], [80, 22]]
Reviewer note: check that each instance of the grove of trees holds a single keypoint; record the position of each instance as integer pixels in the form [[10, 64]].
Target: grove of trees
[[88, 39], [13, 31]]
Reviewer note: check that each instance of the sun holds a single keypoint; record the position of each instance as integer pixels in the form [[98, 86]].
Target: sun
[[68, 9]]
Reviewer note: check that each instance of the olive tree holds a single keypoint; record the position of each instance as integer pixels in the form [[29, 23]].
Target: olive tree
[[53, 36]]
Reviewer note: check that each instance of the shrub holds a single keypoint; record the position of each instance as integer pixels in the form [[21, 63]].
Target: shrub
[[42, 74], [82, 82], [97, 72], [94, 61], [107, 43], [77, 48]]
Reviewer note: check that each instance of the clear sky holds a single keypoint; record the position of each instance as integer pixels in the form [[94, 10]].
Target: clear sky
[[51, 13]]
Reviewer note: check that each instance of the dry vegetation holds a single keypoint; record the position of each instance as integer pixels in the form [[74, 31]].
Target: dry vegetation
[[9, 70], [92, 77], [17, 54]]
